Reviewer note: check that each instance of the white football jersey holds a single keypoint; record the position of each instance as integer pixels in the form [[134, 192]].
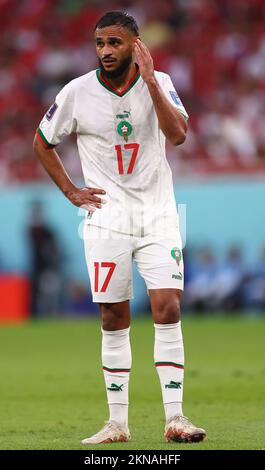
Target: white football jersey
[[122, 150]]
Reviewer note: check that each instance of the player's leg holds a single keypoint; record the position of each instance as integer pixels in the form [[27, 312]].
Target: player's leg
[[160, 263], [109, 264], [116, 358], [116, 365], [169, 362], [168, 348]]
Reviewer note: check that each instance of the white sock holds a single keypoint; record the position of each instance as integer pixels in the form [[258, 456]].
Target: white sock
[[169, 362], [117, 361]]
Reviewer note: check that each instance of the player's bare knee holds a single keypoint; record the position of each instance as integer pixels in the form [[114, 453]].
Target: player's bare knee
[[109, 321], [113, 317], [169, 311], [112, 324]]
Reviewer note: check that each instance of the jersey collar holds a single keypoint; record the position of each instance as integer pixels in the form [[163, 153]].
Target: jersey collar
[[109, 87]]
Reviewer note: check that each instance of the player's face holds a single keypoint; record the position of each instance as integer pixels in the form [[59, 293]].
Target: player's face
[[114, 46]]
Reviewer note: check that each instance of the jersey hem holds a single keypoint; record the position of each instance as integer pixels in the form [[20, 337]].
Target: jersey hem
[[186, 117], [43, 139], [177, 285], [96, 299]]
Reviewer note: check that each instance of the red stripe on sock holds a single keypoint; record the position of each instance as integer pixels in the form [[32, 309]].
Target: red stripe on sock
[[116, 370], [169, 364]]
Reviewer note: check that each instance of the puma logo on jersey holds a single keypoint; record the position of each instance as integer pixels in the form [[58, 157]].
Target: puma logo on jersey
[[177, 276], [115, 388], [173, 384], [126, 114]]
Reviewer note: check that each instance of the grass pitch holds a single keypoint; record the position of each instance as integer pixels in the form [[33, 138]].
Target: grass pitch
[[52, 391]]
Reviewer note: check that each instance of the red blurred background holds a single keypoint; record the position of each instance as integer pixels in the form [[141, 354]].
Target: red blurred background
[[213, 50]]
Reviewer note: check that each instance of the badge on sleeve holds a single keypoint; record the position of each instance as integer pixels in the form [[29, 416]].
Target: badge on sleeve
[[175, 97], [51, 111]]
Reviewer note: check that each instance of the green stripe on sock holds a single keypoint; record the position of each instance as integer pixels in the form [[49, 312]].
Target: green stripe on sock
[[115, 370], [172, 364]]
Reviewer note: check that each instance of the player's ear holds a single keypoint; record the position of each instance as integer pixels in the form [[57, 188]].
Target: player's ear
[[133, 52], [135, 40]]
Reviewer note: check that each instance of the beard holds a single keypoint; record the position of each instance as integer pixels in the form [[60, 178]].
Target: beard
[[117, 72]]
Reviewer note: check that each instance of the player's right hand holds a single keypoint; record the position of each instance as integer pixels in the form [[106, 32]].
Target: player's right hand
[[84, 197]]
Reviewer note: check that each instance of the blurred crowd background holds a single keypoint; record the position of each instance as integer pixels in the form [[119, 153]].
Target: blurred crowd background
[[214, 51]]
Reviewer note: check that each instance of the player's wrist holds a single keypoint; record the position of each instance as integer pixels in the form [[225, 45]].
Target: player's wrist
[[69, 191], [151, 81]]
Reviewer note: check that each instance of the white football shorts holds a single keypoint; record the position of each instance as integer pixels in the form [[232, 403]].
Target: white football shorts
[[109, 256]]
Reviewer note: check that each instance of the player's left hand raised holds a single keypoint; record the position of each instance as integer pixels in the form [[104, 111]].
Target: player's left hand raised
[[144, 60]]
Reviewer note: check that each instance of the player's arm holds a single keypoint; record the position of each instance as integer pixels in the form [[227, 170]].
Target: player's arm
[[80, 197], [171, 121]]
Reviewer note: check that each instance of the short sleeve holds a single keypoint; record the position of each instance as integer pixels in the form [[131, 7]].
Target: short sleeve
[[172, 95], [59, 120]]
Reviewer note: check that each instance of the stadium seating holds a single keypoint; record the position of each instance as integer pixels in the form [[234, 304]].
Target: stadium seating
[[213, 50]]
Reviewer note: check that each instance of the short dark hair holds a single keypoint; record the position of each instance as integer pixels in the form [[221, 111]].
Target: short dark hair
[[121, 18]]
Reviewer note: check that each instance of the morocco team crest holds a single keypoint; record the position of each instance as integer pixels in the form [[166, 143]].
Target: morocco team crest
[[176, 254], [124, 129]]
